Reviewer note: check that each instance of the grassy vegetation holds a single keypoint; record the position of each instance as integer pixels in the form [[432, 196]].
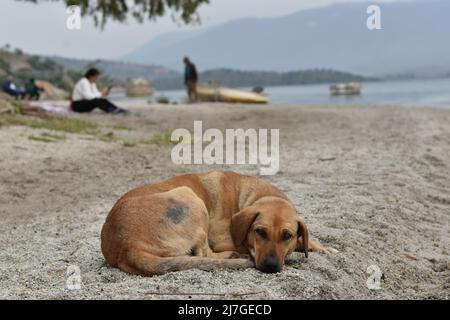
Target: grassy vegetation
[[56, 127], [107, 137], [67, 125], [120, 127], [40, 139], [48, 137], [11, 103], [161, 139], [130, 144], [54, 136]]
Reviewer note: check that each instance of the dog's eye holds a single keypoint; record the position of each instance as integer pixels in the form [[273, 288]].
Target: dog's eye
[[262, 233], [287, 236]]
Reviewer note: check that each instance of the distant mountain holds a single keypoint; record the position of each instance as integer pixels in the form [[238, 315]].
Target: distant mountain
[[161, 43], [119, 70], [414, 39]]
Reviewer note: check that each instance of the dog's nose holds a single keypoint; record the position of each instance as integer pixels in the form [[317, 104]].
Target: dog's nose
[[271, 265]]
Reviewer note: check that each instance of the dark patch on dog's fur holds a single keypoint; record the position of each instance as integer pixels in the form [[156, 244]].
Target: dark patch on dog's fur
[[193, 252], [176, 211]]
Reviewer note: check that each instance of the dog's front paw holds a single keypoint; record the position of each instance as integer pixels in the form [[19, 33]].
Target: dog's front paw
[[317, 247], [328, 250]]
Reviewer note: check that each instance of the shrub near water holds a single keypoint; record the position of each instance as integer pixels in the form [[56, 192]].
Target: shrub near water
[[163, 100]]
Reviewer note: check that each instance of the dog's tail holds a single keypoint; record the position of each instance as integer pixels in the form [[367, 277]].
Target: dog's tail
[[145, 264]]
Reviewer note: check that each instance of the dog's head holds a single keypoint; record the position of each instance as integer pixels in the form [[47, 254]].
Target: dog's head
[[270, 229]]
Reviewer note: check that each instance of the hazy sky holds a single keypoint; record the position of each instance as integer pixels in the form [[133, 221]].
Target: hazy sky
[[41, 29]]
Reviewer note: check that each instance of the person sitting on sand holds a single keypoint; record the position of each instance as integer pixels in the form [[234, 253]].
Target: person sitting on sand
[[32, 90], [10, 87], [190, 80], [86, 97]]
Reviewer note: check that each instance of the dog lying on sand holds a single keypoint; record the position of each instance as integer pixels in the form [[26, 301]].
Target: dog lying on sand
[[205, 221]]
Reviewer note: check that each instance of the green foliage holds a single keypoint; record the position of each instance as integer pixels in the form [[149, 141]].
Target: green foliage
[[54, 136], [163, 100], [161, 139], [48, 137], [140, 10], [129, 144], [40, 139], [18, 51], [39, 68], [121, 127], [4, 65], [41, 63], [42, 68], [62, 124], [107, 137]]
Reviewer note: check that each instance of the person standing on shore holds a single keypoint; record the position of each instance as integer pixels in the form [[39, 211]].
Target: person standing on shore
[[86, 96], [190, 80]]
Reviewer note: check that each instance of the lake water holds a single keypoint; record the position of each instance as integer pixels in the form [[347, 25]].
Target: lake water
[[420, 93]]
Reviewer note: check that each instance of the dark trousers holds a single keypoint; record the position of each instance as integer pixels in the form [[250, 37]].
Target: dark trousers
[[191, 87], [84, 106], [18, 94], [33, 95]]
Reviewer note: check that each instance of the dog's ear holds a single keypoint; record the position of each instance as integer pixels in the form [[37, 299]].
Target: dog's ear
[[302, 233], [241, 223]]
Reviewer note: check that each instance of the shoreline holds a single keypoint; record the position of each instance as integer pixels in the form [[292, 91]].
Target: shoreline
[[423, 92]]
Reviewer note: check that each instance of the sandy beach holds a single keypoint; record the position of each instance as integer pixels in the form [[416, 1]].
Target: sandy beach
[[372, 182]]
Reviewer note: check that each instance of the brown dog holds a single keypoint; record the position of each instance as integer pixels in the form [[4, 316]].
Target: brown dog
[[205, 221]]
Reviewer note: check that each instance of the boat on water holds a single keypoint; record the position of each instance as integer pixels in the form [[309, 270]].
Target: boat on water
[[221, 94], [346, 89]]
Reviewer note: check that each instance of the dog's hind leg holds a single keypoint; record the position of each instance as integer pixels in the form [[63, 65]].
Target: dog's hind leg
[[143, 263]]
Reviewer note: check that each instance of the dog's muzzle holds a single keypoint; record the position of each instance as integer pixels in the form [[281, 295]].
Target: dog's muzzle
[[271, 265]]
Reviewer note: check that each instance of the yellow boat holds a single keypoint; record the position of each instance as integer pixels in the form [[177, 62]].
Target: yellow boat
[[221, 94]]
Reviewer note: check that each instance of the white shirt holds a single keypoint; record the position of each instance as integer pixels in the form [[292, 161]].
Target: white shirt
[[85, 90]]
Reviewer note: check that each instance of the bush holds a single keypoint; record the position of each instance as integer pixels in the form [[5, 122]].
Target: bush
[[163, 100]]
